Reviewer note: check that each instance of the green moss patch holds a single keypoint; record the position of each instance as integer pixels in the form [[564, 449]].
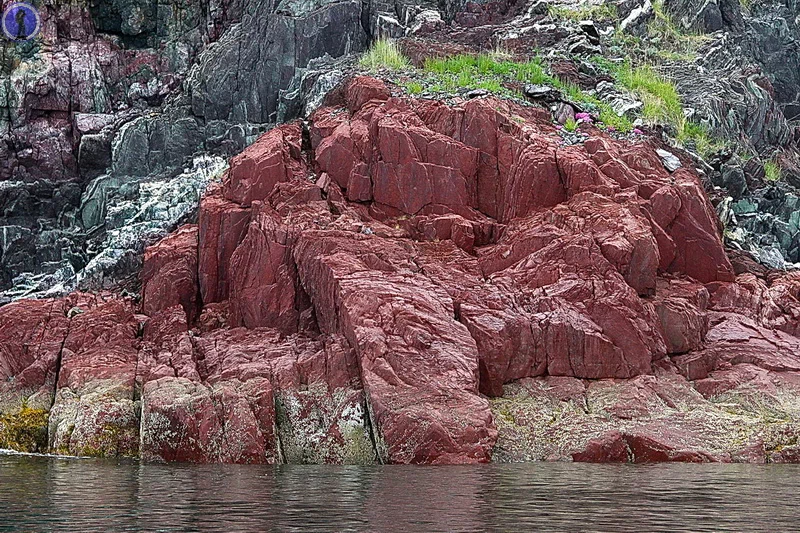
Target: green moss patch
[[584, 12]]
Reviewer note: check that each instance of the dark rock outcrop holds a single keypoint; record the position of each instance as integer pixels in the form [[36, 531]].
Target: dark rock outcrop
[[112, 119]]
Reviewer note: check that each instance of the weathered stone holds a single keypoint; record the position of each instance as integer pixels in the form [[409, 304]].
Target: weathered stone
[[273, 158], [222, 226], [95, 410], [357, 297], [33, 332]]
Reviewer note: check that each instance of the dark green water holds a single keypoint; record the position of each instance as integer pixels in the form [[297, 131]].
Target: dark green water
[[43, 494]]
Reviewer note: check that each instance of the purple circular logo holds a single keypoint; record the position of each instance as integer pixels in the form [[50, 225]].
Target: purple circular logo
[[21, 22]]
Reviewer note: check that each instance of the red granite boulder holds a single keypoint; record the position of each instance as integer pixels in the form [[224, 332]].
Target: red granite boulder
[[276, 156], [621, 232], [364, 89], [416, 167], [169, 275], [735, 339], [610, 447], [772, 303], [189, 421], [695, 232], [390, 155], [167, 348]]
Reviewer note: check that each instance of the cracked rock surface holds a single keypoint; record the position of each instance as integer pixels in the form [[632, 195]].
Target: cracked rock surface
[[394, 279], [520, 300]]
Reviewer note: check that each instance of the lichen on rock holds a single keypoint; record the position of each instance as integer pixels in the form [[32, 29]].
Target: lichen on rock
[[24, 431]]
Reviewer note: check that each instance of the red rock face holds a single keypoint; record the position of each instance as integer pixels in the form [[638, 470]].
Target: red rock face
[[94, 412], [363, 300], [681, 307], [415, 358], [273, 158], [170, 274], [264, 289], [222, 226], [32, 335], [247, 389], [593, 324]]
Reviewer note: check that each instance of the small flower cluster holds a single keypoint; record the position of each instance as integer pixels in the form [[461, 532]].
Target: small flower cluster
[[573, 123]]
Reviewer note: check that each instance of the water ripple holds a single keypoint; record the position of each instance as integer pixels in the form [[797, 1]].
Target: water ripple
[[47, 494]]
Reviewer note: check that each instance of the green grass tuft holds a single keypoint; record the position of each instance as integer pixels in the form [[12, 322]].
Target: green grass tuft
[[484, 71], [659, 95], [571, 125], [384, 53], [533, 71], [698, 137], [673, 43], [604, 111], [493, 86], [472, 68], [662, 104], [772, 171], [611, 119], [494, 71], [413, 87]]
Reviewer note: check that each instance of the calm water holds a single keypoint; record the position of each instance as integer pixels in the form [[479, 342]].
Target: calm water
[[41, 494]]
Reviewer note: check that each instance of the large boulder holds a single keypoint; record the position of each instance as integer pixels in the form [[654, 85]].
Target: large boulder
[[258, 398], [592, 323], [273, 158], [419, 367]]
